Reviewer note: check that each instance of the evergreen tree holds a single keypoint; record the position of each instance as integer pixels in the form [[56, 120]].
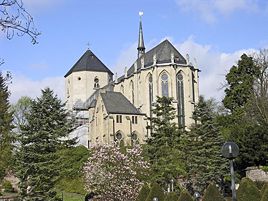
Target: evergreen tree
[[45, 132], [248, 191], [172, 196], [240, 80], [144, 192], [212, 194], [6, 137], [264, 193], [162, 147], [202, 149], [156, 191], [185, 196]]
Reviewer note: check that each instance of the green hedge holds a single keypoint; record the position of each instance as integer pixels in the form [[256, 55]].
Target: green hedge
[[172, 196], [156, 191], [212, 194], [144, 192], [264, 193], [185, 196], [248, 191]]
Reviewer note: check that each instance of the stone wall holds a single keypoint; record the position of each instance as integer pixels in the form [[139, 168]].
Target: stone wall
[[256, 174]]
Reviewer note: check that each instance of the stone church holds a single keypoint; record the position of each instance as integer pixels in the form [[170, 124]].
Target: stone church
[[110, 108]]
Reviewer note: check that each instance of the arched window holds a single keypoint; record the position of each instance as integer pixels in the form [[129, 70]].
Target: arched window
[[96, 83], [150, 81], [164, 84], [193, 85], [122, 89], [132, 92], [180, 97]]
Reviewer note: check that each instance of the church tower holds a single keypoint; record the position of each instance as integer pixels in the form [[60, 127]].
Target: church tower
[[141, 47], [86, 76]]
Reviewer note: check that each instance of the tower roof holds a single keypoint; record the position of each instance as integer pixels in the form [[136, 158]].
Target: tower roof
[[88, 62], [141, 47]]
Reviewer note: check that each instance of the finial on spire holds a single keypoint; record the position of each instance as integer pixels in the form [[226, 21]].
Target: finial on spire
[[141, 47]]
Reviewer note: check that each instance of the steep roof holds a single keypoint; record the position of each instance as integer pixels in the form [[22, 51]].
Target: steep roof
[[117, 103], [88, 62], [163, 55]]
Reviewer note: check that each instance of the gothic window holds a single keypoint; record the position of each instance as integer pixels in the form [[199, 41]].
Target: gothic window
[[150, 81], [96, 83], [132, 91], [180, 97], [134, 120], [164, 84], [118, 118], [118, 136], [193, 91]]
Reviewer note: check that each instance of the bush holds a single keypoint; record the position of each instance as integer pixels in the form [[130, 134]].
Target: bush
[[185, 196], [143, 194], [264, 193], [248, 191], [156, 191], [7, 186], [212, 194], [172, 196], [260, 184]]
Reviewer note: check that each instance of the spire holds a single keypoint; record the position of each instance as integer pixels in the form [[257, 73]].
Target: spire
[[141, 47]]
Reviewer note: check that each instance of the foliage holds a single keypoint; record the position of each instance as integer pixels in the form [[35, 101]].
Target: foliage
[[156, 191], [248, 191], [144, 192], [6, 138], [240, 81], [20, 110], [14, 19], [46, 132], [185, 196], [264, 193], [162, 147], [7, 186], [212, 194], [172, 196], [202, 149], [115, 175]]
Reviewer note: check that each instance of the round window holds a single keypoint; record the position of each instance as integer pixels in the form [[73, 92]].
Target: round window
[[118, 136]]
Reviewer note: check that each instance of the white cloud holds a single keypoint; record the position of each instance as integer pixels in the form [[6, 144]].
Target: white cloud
[[209, 10], [23, 86], [213, 64]]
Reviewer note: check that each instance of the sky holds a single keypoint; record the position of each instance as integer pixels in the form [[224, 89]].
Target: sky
[[215, 33]]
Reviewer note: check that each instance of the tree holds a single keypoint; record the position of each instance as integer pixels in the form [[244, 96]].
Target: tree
[[162, 147], [15, 19], [240, 81], [156, 191], [264, 193], [202, 149], [20, 111], [6, 138], [172, 196], [114, 175], [46, 131], [248, 191], [212, 194], [144, 192], [185, 196]]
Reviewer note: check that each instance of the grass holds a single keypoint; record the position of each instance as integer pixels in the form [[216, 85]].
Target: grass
[[72, 197]]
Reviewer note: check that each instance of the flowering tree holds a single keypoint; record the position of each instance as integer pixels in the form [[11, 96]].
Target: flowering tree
[[114, 175]]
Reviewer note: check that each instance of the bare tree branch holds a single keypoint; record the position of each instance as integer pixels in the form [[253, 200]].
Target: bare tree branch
[[15, 20]]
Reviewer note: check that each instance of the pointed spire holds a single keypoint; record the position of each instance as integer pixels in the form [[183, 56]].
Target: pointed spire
[[141, 47]]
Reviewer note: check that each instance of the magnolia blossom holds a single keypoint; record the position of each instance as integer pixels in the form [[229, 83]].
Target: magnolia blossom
[[115, 175]]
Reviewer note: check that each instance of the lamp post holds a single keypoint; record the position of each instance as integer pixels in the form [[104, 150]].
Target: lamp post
[[230, 151], [172, 185], [155, 199], [197, 195]]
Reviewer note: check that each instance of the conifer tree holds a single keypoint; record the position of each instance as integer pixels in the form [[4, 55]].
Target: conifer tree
[[156, 191], [248, 191], [185, 196], [6, 137], [202, 149], [212, 194], [162, 147], [45, 132]]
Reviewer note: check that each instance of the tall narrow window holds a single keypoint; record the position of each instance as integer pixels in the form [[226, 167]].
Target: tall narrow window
[[132, 91], [193, 84], [122, 89], [96, 83], [150, 81], [164, 84], [180, 97]]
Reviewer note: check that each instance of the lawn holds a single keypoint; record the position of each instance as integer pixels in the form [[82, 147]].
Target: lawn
[[72, 197]]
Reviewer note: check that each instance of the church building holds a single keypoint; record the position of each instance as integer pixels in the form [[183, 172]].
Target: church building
[[110, 108]]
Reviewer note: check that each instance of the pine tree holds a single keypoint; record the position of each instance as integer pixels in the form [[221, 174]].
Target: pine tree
[[45, 132], [162, 148], [6, 137], [156, 191], [185, 196], [202, 149], [212, 194], [248, 191]]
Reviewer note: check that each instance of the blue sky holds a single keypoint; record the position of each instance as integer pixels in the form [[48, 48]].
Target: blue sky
[[214, 32]]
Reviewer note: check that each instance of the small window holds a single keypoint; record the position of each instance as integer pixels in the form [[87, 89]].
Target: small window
[[96, 83], [79, 78], [134, 120], [118, 118]]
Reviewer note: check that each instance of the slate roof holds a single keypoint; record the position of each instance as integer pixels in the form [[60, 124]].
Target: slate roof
[[163, 55], [88, 62], [117, 103]]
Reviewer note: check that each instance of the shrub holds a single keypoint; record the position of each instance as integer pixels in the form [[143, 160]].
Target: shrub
[[156, 191], [185, 196], [248, 191], [264, 193], [143, 194], [260, 184], [212, 194], [172, 196], [7, 186]]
